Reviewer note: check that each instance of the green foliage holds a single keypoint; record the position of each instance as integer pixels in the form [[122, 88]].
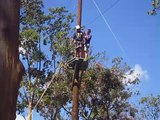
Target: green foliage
[[155, 6], [108, 97], [30, 35], [104, 95], [55, 98], [150, 107], [44, 43]]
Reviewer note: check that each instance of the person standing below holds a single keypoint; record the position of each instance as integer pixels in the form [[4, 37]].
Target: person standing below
[[87, 39]]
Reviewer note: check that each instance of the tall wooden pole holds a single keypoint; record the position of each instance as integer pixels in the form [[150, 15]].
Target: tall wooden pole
[[76, 83], [75, 95], [79, 16]]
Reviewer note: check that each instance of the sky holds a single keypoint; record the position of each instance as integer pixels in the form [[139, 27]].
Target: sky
[[137, 33], [132, 34]]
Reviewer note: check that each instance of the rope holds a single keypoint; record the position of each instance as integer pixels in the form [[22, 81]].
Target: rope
[[112, 5], [54, 75], [107, 24]]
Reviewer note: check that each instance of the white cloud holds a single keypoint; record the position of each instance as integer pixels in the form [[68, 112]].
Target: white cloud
[[143, 74], [136, 72]]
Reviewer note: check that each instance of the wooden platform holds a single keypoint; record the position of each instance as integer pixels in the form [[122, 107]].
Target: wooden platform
[[82, 64]]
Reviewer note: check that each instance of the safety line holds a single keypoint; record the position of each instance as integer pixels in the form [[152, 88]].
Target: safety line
[[103, 12], [53, 76], [107, 24]]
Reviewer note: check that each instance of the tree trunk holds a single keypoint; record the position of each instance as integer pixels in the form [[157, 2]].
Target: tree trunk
[[29, 117], [11, 69], [55, 114]]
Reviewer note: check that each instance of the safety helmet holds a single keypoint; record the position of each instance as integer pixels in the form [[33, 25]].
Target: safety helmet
[[78, 27]]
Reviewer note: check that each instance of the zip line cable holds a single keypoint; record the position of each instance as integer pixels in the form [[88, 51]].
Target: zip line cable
[[115, 3], [53, 76], [112, 5], [109, 27]]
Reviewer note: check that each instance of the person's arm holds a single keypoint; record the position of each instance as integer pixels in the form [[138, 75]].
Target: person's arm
[[88, 37], [74, 36]]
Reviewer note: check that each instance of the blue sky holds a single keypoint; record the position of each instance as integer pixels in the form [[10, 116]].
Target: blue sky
[[137, 32]]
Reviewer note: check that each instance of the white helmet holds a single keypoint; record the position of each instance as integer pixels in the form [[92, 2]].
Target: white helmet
[[78, 27]]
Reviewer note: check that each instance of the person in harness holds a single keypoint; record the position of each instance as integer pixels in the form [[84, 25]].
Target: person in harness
[[78, 42], [87, 39], [78, 35]]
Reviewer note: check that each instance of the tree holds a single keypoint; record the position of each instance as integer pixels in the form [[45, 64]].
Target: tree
[[156, 7], [150, 107], [11, 69], [105, 95], [44, 45]]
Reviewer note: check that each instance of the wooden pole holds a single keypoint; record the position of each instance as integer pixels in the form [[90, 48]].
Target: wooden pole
[[76, 83], [79, 16], [75, 96]]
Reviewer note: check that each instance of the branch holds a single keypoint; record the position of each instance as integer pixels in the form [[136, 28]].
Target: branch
[[68, 112], [55, 115], [90, 113], [23, 117], [94, 114], [25, 94], [32, 97], [84, 116], [34, 84]]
